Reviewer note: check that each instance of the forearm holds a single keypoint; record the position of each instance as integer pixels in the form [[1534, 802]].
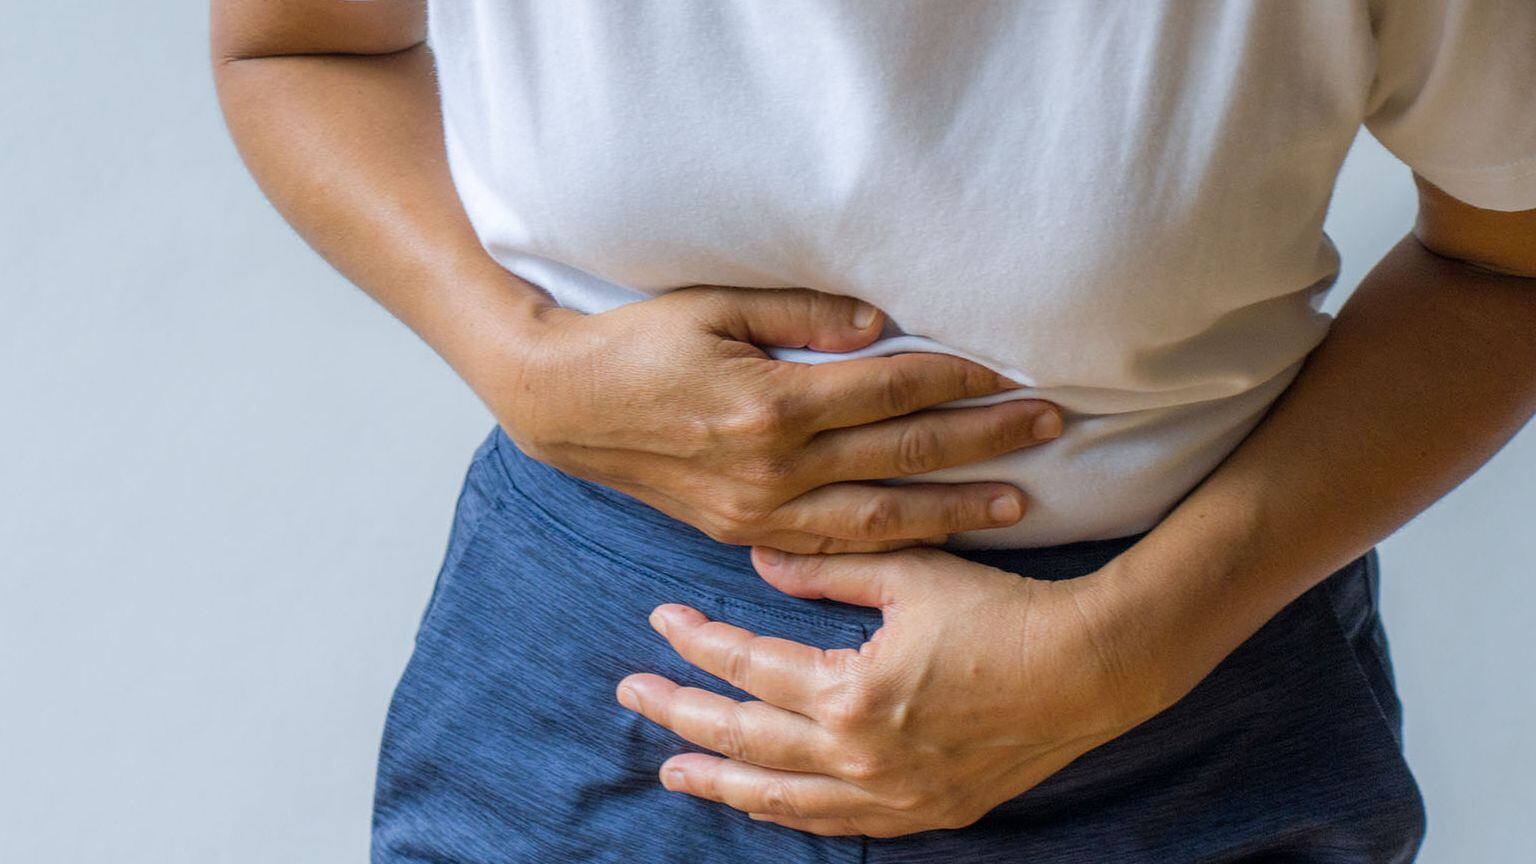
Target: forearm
[[1428, 370], [349, 149]]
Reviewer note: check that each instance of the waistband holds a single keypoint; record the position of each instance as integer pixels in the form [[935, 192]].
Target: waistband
[[614, 519], [637, 537]]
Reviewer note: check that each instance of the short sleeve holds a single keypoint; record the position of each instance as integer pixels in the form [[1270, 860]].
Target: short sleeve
[[1454, 95]]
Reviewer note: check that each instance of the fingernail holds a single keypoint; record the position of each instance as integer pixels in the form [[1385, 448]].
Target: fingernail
[[1046, 426], [1004, 508], [628, 699], [673, 779], [659, 621], [863, 314], [770, 556]]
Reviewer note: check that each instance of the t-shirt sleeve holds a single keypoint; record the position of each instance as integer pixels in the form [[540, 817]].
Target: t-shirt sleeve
[[1454, 95]]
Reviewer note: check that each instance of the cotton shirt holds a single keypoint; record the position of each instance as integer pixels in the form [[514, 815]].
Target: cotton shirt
[[1118, 204]]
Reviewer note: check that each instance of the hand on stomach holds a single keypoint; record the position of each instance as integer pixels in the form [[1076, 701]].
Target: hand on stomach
[[670, 400]]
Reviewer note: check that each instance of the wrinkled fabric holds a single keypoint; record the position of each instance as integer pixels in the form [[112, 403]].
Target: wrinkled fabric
[[504, 742], [1119, 204]]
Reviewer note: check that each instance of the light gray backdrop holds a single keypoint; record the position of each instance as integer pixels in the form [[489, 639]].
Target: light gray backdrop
[[226, 479]]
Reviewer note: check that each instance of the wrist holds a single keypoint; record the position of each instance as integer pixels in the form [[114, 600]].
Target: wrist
[[491, 327], [1181, 607]]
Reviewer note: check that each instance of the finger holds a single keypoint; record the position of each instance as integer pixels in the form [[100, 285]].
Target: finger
[[755, 789], [864, 580], [807, 543], [869, 389], [780, 671], [823, 827], [787, 317], [929, 440], [867, 511], [868, 826], [753, 732]]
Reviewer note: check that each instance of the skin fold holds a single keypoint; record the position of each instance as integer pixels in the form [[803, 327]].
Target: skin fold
[[1427, 371]]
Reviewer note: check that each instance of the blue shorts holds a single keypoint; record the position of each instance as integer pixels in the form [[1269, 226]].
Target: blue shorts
[[504, 743]]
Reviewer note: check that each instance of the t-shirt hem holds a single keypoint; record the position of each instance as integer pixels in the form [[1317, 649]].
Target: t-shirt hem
[[1509, 187]]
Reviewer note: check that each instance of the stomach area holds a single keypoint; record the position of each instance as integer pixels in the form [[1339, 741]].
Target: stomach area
[[1124, 459]]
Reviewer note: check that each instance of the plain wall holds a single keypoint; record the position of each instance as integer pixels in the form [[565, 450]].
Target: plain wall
[[226, 480]]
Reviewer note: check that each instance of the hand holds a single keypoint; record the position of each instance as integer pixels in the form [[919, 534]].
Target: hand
[[978, 685], [671, 401]]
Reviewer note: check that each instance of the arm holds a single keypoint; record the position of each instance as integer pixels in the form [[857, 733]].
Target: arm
[[979, 684], [1428, 370], [334, 107]]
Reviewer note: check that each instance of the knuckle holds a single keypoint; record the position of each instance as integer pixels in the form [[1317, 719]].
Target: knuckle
[[977, 380], [814, 302], [897, 392], [877, 518], [706, 306], [819, 544], [907, 801], [805, 541], [765, 415], [738, 664], [1004, 434], [740, 508], [776, 799], [847, 710], [729, 531], [918, 449], [822, 306], [962, 513], [726, 737], [736, 518], [862, 766]]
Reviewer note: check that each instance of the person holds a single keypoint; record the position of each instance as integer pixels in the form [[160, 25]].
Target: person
[[918, 434]]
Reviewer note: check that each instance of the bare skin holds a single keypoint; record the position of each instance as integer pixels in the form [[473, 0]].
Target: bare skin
[[333, 108], [1428, 370]]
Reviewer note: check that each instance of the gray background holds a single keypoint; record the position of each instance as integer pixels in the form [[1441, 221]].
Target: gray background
[[226, 480]]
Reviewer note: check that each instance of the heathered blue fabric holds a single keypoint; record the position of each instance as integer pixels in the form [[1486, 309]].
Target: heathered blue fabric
[[504, 743]]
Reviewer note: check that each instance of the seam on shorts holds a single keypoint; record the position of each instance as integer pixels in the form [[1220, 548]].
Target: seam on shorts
[[1337, 620], [1385, 725], [460, 535]]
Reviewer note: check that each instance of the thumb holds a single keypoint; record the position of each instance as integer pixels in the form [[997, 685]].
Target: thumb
[[863, 579], [793, 318]]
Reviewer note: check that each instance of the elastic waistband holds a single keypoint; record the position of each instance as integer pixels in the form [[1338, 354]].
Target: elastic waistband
[[614, 519]]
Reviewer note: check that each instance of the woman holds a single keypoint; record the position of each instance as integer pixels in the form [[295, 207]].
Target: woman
[[918, 439]]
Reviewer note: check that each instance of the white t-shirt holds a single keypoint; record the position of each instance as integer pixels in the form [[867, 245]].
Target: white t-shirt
[[1118, 203]]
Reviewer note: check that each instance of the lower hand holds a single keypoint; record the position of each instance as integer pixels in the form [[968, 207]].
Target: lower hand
[[978, 685], [671, 401]]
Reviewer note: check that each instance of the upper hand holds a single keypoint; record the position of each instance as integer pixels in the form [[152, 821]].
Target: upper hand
[[978, 685], [671, 401]]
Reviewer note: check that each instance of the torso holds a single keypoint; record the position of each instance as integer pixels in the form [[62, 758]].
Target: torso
[[1118, 204]]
